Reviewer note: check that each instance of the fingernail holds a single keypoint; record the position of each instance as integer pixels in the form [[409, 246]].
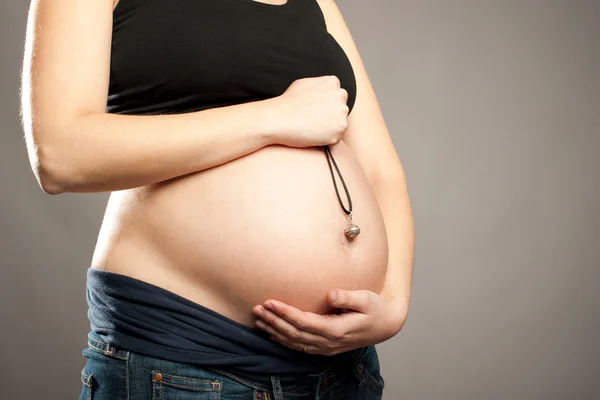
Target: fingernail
[[269, 306]]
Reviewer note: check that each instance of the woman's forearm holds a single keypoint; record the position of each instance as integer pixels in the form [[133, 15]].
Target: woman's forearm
[[393, 199], [96, 152]]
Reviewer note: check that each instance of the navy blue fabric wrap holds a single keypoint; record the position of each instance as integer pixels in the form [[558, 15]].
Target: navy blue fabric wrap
[[147, 319]]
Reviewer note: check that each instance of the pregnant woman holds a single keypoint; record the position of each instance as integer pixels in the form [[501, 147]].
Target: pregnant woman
[[252, 178]]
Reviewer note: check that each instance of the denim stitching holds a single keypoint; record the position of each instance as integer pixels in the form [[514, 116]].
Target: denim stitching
[[374, 383], [277, 389], [161, 385], [108, 351], [242, 380], [111, 353], [127, 369], [90, 337], [85, 378], [183, 378], [108, 354], [364, 376], [258, 386], [87, 381], [371, 379], [97, 348], [216, 385], [334, 385], [89, 390], [194, 388]]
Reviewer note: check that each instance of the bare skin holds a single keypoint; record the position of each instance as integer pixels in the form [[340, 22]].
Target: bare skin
[[267, 225], [253, 217]]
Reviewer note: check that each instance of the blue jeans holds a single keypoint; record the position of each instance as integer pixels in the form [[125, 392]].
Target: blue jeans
[[111, 373]]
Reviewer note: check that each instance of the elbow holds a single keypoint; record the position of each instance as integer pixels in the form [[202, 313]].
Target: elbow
[[48, 185], [50, 177], [50, 148], [52, 169], [398, 313]]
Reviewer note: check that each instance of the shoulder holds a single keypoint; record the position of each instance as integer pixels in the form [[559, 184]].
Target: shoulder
[[324, 3], [333, 16]]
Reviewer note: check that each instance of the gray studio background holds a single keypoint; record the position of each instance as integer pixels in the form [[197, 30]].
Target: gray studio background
[[494, 107]]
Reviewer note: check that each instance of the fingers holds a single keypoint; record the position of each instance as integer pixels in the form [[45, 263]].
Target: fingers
[[285, 328], [358, 300], [301, 320], [281, 338]]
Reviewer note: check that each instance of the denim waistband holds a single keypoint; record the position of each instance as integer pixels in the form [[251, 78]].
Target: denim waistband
[[281, 385], [135, 315], [281, 382]]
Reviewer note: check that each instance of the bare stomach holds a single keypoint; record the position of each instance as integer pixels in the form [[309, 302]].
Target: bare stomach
[[264, 226]]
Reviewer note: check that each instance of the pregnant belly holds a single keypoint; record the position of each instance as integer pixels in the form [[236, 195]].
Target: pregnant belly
[[266, 225]]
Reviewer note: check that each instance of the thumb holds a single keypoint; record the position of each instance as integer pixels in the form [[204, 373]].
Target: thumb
[[357, 300]]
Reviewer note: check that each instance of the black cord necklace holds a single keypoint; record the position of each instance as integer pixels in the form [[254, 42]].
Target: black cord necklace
[[353, 230]]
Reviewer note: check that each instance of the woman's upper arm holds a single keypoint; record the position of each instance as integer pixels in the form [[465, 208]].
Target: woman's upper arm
[[66, 64]]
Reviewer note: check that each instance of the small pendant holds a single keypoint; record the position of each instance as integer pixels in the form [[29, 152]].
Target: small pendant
[[353, 230]]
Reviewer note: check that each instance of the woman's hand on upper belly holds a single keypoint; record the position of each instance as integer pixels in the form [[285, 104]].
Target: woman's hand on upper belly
[[365, 318]]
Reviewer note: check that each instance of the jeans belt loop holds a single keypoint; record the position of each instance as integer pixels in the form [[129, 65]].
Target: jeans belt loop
[[277, 390]]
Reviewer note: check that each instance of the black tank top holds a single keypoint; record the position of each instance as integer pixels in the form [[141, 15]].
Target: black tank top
[[177, 56]]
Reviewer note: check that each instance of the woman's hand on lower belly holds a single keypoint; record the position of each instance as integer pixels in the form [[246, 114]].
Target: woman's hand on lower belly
[[365, 318]]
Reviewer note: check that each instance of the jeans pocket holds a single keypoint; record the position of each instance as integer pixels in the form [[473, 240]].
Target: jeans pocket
[[368, 369], [86, 388], [167, 386], [104, 375]]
